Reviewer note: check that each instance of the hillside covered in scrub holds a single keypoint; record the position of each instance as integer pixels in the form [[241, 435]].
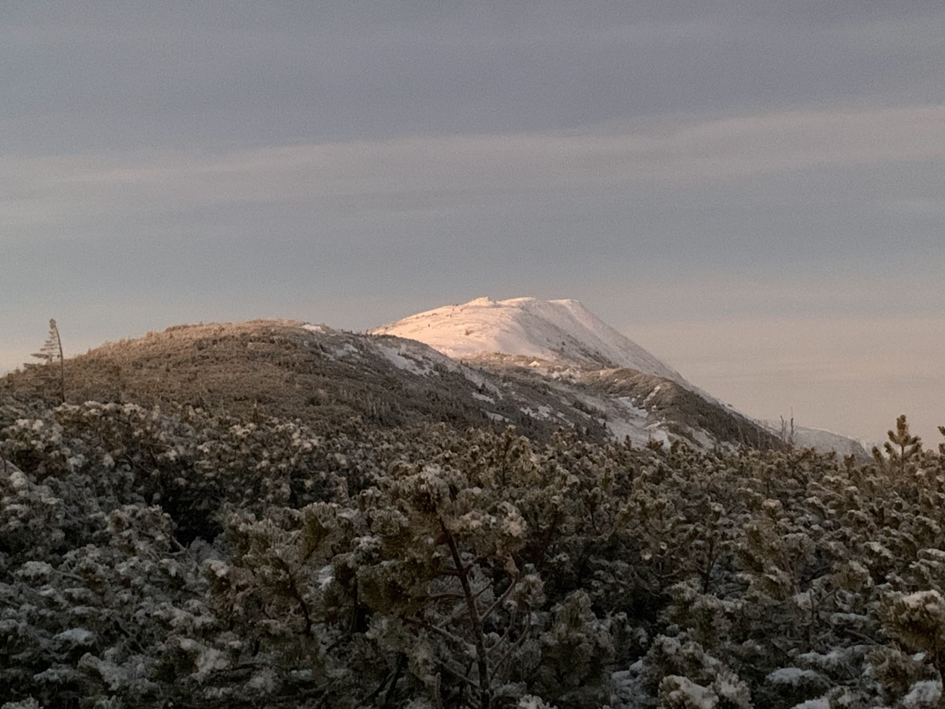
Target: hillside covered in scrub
[[159, 556], [328, 379]]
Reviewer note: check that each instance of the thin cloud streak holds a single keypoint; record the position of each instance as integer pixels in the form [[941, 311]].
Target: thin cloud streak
[[438, 169]]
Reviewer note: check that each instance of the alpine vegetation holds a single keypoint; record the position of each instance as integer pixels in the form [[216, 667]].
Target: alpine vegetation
[[151, 558]]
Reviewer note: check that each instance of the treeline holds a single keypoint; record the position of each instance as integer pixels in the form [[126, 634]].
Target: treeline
[[155, 559]]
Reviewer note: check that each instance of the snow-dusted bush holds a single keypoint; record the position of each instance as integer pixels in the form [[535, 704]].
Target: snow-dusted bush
[[150, 557]]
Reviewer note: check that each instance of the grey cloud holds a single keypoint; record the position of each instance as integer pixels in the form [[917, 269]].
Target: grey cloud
[[830, 178], [217, 74]]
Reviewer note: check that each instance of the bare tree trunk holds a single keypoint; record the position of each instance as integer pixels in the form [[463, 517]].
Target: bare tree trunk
[[482, 662]]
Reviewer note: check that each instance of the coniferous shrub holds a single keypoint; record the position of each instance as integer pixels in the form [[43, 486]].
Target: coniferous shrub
[[150, 557]]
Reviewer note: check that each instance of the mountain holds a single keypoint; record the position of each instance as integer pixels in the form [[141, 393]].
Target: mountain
[[577, 354], [561, 331], [537, 365], [823, 441], [565, 370], [562, 341]]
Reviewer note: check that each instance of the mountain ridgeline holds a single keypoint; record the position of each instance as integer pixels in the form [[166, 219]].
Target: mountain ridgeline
[[536, 365]]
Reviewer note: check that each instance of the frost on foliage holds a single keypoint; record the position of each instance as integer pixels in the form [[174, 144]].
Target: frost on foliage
[[796, 684], [31, 516], [677, 692], [895, 671], [150, 558], [793, 676], [818, 703], [75, 637], [577, 651], [441, 557], [918, 620], [531, 702], [668, 657], [24, 704], [922, 695]]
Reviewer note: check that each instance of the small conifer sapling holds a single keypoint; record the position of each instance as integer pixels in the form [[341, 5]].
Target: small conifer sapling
[[901, 448], [50, 353]]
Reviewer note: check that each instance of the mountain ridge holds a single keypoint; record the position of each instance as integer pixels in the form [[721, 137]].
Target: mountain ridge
[[331, 379], [537, 365]]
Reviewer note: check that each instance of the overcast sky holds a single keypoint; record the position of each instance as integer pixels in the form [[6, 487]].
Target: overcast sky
[[754, 191]]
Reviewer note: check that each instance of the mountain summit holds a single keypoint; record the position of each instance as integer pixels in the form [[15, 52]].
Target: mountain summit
[[561, 331]]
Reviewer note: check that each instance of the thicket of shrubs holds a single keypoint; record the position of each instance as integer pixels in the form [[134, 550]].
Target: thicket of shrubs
[[156, 559]]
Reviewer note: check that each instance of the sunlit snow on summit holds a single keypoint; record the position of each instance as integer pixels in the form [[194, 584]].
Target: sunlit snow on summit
[[553, 330]]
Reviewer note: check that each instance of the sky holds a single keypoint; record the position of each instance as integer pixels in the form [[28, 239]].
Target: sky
[[751, 190]]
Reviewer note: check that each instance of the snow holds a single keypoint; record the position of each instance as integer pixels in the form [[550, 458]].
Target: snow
[[552, 330], [542, 412], [397, 356], [76, 636], [656, 433], [682, 691], [923, 600], [833, 660], [218, 568], [819, 703], [634, 410], [625, 420], [325, 576], [560, 339], [342, 352], [18, 481], [34, 570], [922, 694], [263, 681], [793, 676], [656, 390], [822, 440]]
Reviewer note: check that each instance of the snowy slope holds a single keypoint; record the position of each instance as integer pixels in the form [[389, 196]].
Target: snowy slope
[[824, 441], [556, 330]]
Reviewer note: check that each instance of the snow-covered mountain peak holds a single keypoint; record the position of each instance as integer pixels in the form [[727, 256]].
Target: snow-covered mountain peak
[[555, 330]]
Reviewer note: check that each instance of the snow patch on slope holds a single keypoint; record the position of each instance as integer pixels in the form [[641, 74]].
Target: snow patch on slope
[[398, 358], [555, 330], [824, 441]]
